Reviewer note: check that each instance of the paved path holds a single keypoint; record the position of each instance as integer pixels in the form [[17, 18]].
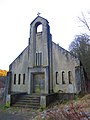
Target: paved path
[[8, 116]]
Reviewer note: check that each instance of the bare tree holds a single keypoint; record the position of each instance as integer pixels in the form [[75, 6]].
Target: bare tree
[[85, 21]]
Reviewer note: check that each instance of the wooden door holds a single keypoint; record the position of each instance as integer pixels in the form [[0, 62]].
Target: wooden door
[[38, 83]]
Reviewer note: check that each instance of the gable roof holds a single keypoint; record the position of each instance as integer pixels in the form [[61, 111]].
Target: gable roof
[[38, 18]]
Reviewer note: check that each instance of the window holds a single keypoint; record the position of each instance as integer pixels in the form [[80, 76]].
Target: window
[[39, 28], [63, 77], [38, 59], [70, 77], [23, 78], [19, 78], [57, 78], [14, 78]]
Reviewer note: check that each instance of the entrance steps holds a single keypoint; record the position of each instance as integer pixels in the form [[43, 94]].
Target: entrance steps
[[28, 101]]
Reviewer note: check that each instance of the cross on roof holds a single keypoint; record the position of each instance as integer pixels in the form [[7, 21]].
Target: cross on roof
[[38, 13]]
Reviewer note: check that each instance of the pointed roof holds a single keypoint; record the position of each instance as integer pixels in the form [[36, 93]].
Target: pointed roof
[[39, 17]]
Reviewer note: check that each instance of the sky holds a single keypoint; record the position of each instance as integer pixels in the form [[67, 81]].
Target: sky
[[16, 16]]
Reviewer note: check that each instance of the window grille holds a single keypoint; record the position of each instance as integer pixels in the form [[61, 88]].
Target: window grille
[[38, 59]]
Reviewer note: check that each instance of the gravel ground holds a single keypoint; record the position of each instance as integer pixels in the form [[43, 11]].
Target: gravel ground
[[17, 113], [8, 116]]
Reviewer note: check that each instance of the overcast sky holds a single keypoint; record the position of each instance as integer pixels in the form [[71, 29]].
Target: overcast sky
[[16, 16]]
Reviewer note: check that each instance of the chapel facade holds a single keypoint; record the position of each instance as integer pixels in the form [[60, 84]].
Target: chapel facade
[[44, 67]]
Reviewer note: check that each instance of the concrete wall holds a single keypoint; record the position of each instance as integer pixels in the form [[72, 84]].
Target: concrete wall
[[38, 41], [63, 61], [20, 66]]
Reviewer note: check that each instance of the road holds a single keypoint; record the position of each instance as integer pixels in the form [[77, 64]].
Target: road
[[8, 116]]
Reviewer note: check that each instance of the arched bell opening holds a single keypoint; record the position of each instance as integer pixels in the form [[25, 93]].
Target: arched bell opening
[[38, 27]]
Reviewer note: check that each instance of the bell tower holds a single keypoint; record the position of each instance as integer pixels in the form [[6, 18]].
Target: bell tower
[[39, 42], [40, 51]]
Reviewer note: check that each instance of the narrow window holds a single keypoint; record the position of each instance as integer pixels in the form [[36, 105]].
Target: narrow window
[[23, 78], [69, 77], [14, 78], [38, 59], [57, 78], [63, 77], [19, 78]]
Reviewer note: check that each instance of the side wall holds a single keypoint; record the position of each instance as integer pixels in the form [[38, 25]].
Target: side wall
[[20, 68], [63, 70]]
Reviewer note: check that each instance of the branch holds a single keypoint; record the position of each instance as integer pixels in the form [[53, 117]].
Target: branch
[[84, 21]]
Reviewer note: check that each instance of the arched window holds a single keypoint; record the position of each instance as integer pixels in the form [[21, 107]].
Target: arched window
[[63, 77], [39, 28], [70, 77]]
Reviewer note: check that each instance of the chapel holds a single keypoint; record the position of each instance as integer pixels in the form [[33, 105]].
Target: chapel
[[43, 67]]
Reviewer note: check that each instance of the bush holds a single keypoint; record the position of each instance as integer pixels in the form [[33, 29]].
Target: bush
[[72, 112]]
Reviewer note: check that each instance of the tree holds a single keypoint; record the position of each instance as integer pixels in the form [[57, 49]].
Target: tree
[[3, 72], [85, 21], [80, 48]]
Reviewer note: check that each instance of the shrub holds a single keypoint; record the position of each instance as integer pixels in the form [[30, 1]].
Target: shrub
[[72, 112]]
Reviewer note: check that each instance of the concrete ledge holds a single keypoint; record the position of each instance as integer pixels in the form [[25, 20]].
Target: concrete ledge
[[15, 96], [65, 96], [47, 99]]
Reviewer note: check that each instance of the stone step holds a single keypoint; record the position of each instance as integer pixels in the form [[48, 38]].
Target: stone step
[[26, 106], [28, 103], [32, 96], [28, 98], [31, 101]]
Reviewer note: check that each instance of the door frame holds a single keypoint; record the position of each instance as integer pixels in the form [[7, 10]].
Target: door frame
[[38, 83], [38, 70]]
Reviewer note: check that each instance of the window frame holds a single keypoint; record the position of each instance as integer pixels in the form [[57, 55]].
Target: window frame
[[38, 59]]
